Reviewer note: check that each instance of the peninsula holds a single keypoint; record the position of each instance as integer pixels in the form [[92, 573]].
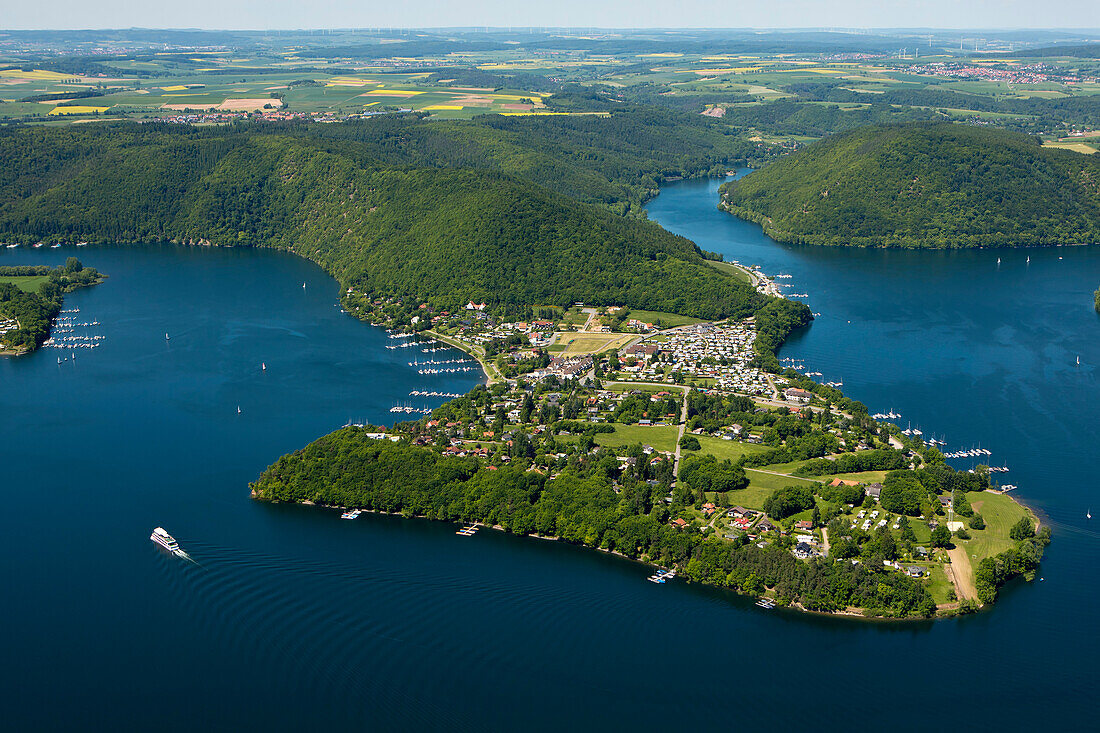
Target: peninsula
[[31, 297], [682, 451]]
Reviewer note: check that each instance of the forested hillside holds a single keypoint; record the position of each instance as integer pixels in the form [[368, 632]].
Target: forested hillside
[[444, 235], [618, 161], [934, 185]]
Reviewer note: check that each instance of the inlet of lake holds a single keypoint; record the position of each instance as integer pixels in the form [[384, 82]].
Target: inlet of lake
[[291, 619]]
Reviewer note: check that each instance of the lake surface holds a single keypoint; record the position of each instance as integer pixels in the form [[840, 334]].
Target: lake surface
[[293, 619]]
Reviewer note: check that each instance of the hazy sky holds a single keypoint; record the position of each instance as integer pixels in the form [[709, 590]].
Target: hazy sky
[[260, 14]]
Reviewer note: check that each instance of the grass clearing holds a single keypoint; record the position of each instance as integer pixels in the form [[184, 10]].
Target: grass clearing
[[784, 467], [730, 269], [723, 449], [938, 585], [667, 320], [26, 283], [770, 481], [1000, 512], [661, 437], [866, 477], [752, 497], [577, 344]]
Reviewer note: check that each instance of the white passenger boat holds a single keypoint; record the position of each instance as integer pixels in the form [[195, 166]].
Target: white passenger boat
[[165, 540]]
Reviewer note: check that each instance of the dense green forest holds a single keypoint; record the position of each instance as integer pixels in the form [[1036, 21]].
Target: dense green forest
[[618, 161], [935, 185], [580, 505], [443, 234], [35, 311]]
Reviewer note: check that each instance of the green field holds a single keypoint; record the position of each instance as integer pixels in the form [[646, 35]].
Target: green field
[[785, 467], [668, 320], [938, 585], [574, 317], [723, 449], [770, 482], [1000, 512], [577, 344], [866, 477], [757, 492], [730, 269], [661, 437], [28, 283]]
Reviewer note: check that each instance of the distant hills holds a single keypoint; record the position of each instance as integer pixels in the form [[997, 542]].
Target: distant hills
[[924, 185], [1085, 51]]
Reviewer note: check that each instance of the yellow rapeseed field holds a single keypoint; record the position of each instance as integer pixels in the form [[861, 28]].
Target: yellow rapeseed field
[[76, 110]]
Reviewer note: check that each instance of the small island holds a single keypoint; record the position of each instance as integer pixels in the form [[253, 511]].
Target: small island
[[685, 446], [31, 297]]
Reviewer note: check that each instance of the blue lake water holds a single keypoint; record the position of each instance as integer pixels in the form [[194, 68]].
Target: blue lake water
[[293, 619]]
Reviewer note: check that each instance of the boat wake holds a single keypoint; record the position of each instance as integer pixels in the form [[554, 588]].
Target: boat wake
[[188, 558]]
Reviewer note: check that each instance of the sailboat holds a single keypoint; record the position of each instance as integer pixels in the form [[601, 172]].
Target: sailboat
[[303, 286], [1028, 260], [998, 260], [167, 337], [263, 366], [238, 409], [1088, 514], [1078, 360]]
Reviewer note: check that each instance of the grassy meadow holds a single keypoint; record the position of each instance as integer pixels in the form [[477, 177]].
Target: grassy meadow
[[28, 283]]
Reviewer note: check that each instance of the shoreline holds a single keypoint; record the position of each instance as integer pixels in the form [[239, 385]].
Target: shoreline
[[785, 237], [847, 613], [5, 351], [469, 350]]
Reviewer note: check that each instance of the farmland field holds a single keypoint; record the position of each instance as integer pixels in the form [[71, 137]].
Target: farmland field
[[1077, 147]]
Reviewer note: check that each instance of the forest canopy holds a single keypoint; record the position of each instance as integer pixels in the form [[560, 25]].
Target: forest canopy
[[924, 185], [390, 209]]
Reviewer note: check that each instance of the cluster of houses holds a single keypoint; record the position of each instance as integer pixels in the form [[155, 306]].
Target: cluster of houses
[[565, 367], [1016, 74], [477, 327], [266, 115], [8, 325], [705, 351]]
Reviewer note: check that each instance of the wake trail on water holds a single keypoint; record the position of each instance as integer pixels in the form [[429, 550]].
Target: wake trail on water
[[1060, 527], [188, 558], [320, 620]]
